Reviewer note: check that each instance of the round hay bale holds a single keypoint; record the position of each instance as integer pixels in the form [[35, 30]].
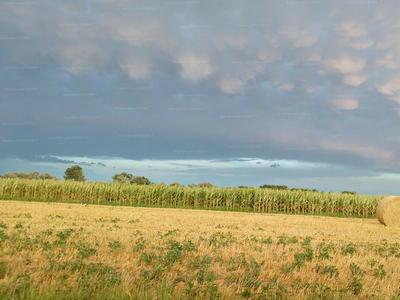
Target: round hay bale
[[388, 211]]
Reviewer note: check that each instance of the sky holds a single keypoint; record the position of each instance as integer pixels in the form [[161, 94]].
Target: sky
[[233, 92]]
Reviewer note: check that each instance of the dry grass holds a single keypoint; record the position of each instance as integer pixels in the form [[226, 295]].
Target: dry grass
[[240, 255]]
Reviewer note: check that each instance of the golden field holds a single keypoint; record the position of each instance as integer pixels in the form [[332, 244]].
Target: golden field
[[73, 251]]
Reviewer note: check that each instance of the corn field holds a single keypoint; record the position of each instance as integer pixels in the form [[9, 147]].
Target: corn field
[[249, 199]]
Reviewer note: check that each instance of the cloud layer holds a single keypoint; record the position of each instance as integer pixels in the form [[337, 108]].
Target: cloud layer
[[309, 81]]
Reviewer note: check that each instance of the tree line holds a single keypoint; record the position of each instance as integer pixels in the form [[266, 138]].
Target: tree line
[[28, 175], [75, 173]]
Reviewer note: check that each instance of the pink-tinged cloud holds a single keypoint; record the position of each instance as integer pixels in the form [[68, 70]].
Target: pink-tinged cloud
[[362, 44], [381, 156], [390, 87], [136, 68], [344, 104], [389, 60], [354, 79], [344, 65], [194, 67], [351, 29]]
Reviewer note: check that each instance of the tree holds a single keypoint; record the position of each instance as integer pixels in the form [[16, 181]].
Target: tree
[[202, 184], [140, 180], [155, 183], [29, 175], [206, 184], [349, 192], [123, 178], [175, 183], [276, 187], [46, 176], [304, 190], [74, 173], [129, 178]]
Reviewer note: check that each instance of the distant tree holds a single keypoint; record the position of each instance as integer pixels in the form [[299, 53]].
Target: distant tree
[[46, 176], [242, 187], [347, 192], [129, 178], [21, 175], [175, 183], [276, 187], [303, 190], [201, 184], [74, 173], [206, 184], [123, 178], [33, 175], [141, 180], [29, 175]]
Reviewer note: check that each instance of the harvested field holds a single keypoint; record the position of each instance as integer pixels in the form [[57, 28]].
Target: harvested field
[[85, 252]]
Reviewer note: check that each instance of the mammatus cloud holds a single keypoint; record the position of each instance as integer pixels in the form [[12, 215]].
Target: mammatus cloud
[[390, 87], [362, 43], [193, 67], [354, 79], [344, 65], [316, 82], [345, 104]]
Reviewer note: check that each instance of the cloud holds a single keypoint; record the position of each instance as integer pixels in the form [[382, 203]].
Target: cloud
[[52, 159], [344, 65], [345, 104], [200, 77], [354, 79], [299, 38], [352, 29], [377, 154], [362, 44], [194, 67], [274, 165], [184, 165], [389, 60], [136, 68], [390, 86]]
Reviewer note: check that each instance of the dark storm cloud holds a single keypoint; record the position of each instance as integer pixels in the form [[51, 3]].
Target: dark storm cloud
[[221, 80], [50, 159]]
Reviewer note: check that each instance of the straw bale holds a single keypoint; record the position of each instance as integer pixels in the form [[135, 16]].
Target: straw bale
[[388, 211]]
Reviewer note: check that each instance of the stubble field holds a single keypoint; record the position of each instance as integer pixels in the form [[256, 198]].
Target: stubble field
[[72, 251]]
